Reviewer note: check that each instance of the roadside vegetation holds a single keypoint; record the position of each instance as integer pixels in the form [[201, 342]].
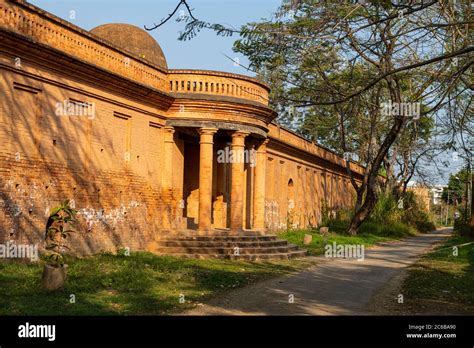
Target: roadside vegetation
[[390, 220], [316, 247], [440, 283]]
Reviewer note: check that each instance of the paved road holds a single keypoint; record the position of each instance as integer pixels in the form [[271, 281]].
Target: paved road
[[332, 287]]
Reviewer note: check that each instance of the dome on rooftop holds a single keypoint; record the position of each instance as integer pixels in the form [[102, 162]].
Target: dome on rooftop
[[133, 39]]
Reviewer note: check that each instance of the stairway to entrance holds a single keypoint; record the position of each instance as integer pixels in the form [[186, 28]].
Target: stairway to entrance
[[249, 245]]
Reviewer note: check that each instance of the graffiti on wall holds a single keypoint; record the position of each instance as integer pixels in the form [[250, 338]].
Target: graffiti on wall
[[94, 216]]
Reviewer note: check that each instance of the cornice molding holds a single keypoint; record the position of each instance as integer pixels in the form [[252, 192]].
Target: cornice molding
[[261, 113]]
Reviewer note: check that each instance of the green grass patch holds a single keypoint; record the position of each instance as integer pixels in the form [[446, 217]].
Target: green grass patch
[[139, 284], [442, 282], [370, 234]]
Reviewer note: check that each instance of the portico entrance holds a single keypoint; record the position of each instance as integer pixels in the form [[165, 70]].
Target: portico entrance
[[223, 179]]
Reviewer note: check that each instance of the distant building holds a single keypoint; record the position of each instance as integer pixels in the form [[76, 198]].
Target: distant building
[[421, 191], [429, 195]]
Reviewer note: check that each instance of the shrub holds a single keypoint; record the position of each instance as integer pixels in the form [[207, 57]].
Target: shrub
[[394, 229], [462, 226], [387, 219], [386, 209], [370, 227], [415, 215], [338, 225]]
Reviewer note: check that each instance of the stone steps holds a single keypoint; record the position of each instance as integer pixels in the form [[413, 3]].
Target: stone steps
[[217, 238], [215, 233], [243, 257], [227, 250], [223, 245]]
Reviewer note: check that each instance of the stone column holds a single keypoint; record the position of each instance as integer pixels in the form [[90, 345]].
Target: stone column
[[167, 176], [237, 182], [205, 178], [220, 205], [259, 187], [168, 135], [249, 178]]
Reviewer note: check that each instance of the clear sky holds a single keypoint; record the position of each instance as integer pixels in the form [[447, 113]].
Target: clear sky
[[206, 51]]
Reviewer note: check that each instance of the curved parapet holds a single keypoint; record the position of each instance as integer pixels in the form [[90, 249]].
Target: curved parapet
[[218, 84]]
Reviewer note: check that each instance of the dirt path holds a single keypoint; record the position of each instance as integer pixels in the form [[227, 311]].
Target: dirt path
[[333, 287]]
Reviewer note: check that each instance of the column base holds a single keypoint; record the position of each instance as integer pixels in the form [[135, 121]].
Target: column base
[[236, 231], [204, 231]]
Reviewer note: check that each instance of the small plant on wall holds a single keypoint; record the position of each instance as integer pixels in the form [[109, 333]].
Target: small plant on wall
[[57, 231]]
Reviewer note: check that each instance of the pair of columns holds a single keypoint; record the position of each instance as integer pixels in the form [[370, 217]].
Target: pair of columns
[[206, 161]]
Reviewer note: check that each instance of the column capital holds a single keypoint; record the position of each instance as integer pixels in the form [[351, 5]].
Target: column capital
[[168, 134], [238, 139], [261, 145], [239, 134], [169, 129], [207, 131], [207, 135]]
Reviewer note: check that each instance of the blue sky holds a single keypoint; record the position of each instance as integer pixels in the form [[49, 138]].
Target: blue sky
[[206, 51]]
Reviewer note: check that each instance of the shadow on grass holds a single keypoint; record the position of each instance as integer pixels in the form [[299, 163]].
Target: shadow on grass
[[316, 247], [140, 284], [442, 282]]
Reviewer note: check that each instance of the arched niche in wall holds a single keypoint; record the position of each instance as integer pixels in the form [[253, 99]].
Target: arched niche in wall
[[291, 194]]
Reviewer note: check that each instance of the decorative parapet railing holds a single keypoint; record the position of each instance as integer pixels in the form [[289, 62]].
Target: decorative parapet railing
[[217, 83], [42, 27]]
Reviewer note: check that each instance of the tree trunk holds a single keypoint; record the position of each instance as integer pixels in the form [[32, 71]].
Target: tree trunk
[[362, 213], [358, 203], [356, 221]]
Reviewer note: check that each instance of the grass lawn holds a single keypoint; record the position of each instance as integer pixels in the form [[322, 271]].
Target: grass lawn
[[368, 236], [139, 284], [442, 283]]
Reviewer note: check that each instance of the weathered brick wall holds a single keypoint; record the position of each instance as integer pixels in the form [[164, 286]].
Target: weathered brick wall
[[108, 165], [115, 208], [111, 164], [297, 189]]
